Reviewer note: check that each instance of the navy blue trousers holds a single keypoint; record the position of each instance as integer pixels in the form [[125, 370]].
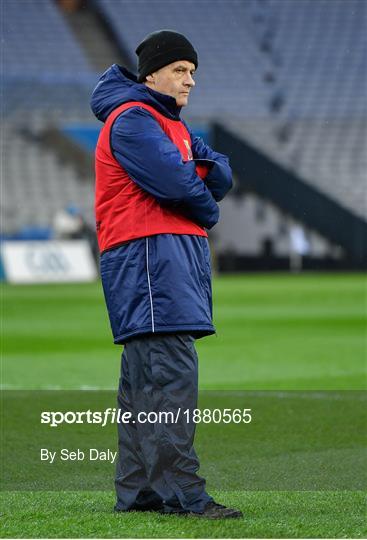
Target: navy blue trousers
[[157, 461]]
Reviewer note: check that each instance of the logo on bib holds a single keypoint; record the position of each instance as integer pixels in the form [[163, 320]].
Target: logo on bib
[[189, 152]]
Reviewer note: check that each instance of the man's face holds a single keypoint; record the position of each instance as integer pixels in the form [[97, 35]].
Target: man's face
[[174, 80]]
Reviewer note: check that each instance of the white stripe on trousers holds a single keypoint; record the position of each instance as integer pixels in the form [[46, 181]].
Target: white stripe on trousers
[[148, 277]]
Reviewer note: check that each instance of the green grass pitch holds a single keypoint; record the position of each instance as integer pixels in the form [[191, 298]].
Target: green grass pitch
[[274, 332]]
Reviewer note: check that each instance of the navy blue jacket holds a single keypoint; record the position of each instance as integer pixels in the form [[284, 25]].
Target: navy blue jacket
[[160, 283]]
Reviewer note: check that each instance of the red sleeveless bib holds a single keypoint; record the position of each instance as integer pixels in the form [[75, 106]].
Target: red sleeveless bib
[[123, 210]]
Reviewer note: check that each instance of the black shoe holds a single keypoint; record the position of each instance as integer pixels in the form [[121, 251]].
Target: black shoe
[[174, 511], [213, 510], [154, 507]]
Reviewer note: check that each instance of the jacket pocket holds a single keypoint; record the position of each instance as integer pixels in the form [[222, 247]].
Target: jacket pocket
[[107, 277]]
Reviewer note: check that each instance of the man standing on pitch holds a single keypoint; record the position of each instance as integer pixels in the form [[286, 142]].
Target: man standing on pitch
[[157, 187]]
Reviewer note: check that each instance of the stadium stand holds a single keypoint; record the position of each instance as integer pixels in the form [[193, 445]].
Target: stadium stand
[[46, 78], [293, 196], [37, 184], [287, 77], [320, 130], [44, 68], [38, 43]]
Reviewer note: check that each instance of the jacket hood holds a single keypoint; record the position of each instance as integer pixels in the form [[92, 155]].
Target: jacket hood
[[117, 86]]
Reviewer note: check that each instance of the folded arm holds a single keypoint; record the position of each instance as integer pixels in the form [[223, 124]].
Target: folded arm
[[219, 176], [155, 164]]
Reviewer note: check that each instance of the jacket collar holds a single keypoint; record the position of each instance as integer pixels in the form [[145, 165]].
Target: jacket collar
[[117, 86], [166, 102]]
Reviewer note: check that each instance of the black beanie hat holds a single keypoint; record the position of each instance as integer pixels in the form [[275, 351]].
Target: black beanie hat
[[161, 48]]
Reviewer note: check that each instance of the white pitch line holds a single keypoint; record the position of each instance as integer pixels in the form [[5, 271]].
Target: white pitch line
[[84, 388], [287, 394], [334, 395]]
